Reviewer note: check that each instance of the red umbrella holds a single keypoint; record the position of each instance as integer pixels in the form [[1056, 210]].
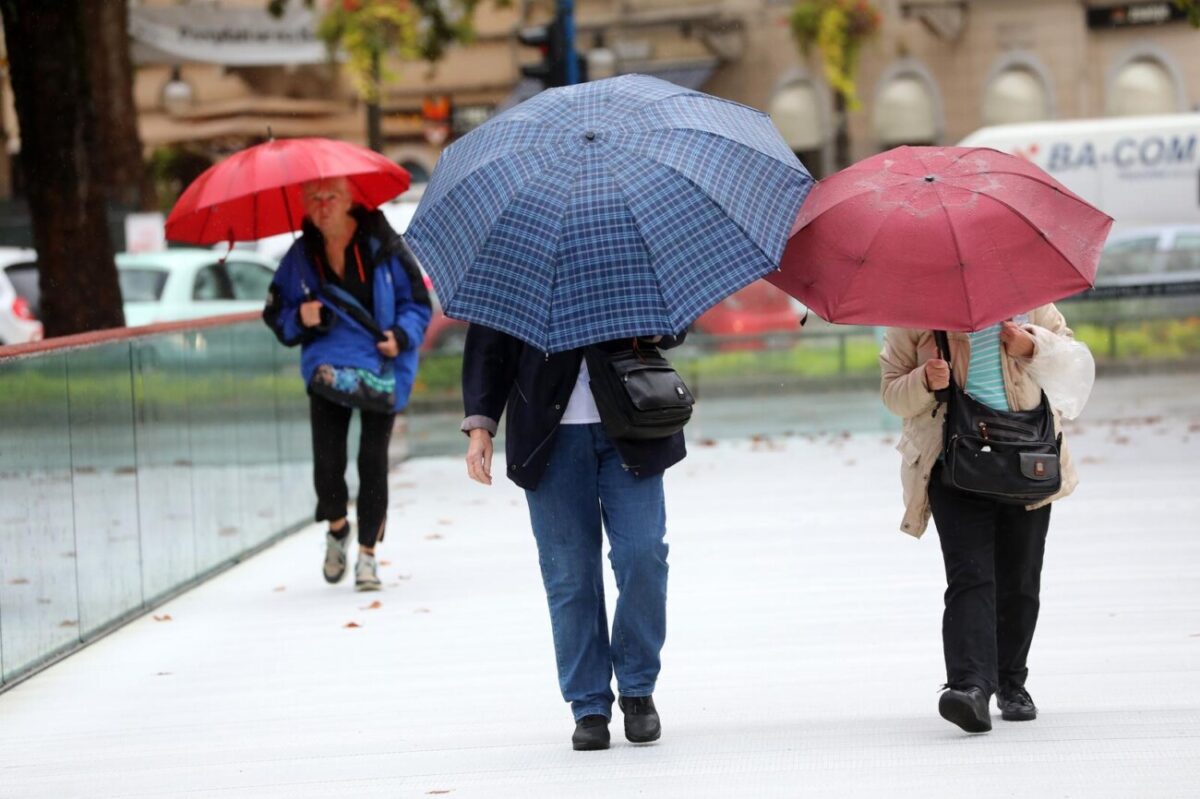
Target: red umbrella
[[256, 193], [942, 238]]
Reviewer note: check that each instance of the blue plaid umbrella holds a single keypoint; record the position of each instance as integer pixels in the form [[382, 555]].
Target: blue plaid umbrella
[[605, 210]]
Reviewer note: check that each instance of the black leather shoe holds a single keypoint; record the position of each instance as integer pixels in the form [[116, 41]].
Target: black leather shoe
[[591, 732], [641, 719], [968, 708], [1015, 704]]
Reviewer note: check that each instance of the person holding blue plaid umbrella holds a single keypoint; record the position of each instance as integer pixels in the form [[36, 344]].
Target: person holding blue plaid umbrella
[[597, 216]]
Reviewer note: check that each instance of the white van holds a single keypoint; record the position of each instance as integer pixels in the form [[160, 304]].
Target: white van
[[1141, 170]]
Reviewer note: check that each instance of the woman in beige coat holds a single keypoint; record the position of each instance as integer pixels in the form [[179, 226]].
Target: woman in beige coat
[[992, 552]]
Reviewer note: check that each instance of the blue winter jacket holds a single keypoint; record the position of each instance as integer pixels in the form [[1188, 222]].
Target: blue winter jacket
[[401, 304]]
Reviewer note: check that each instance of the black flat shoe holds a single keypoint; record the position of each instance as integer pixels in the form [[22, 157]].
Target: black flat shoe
[[642, 724], [591, 732], [967, 708], [1015, 704]]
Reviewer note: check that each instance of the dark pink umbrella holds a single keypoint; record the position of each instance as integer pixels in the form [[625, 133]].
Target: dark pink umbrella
[[256, 193], [941, 238]]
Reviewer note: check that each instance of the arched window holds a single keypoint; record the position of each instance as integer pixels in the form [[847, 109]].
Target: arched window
[[1015, 94], [905, 112], [1143, 86], [796, 111]]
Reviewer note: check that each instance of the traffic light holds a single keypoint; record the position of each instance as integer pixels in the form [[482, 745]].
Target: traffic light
[[553, 43], [549, 40]]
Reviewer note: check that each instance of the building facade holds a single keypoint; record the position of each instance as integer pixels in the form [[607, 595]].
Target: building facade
[[213, 76]]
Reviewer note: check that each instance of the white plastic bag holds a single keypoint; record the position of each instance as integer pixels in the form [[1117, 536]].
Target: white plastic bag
[[1065, 370]]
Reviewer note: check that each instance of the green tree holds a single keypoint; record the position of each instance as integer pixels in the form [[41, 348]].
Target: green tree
[[836, 30], [367, 31], [1192, 7]]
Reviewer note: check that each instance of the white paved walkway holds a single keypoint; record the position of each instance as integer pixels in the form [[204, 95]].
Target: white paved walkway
[[803, 657]]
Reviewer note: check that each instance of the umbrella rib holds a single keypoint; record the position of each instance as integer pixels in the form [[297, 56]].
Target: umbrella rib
[[725, 139], [1030, 223], [713, 200], [688, 93], [962, 265], [1040, 182], [638, 228], [867, 250]]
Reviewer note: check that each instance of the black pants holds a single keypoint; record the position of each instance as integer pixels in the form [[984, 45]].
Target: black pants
[[993, 556], [330, 426]]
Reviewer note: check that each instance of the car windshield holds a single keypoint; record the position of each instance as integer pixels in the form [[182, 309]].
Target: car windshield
[[142, 284], [1133, 256], [24, 278]]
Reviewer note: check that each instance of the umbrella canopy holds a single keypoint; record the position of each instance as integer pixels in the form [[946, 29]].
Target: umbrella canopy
[[256, 193], [943, 238], [609, 209]]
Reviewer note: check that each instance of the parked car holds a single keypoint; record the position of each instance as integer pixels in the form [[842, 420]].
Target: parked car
[[177, 284], [1160, 254], [758, 310], [18, 296]]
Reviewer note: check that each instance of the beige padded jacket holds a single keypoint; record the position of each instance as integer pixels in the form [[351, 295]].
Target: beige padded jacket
[[904, 393]]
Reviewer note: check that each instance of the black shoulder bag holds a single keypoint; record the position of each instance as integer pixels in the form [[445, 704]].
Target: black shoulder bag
[[1007, 456], [638, 393]]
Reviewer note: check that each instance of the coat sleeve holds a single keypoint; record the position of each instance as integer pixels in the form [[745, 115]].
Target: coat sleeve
[[902, 383], [413, 307], [489, 369], [282, 310]]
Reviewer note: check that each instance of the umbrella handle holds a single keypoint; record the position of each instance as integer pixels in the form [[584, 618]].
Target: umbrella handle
[[942, 395]]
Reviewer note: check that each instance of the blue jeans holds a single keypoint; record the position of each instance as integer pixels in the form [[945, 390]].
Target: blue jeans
[[584, 485]]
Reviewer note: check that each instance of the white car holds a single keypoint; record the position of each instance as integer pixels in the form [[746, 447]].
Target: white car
[[1161, 255], [190, 283], [18, 296]]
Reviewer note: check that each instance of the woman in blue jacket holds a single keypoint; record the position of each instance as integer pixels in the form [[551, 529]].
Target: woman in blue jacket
[[351, 294]]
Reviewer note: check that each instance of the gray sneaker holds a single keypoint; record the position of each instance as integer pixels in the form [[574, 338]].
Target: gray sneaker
[[365, 578], [335, 556]]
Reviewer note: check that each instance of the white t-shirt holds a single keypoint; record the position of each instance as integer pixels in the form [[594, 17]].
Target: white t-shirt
[[581, 408]]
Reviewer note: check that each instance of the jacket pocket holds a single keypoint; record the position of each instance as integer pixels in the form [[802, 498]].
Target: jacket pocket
[[910, 453]]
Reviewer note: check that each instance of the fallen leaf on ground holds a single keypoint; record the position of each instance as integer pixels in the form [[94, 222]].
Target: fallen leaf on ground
[[433, 536], [1121, 440], [351, 625], [19, 581], [69, 623], [385, 563], [280, 588], [164, 617], [376, 605], [706, 442], [1092, 459]]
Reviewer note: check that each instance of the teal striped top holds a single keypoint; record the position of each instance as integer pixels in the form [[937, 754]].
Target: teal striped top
[[985, 379]]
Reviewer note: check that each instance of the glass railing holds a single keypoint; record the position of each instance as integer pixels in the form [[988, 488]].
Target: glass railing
[[133, 466]]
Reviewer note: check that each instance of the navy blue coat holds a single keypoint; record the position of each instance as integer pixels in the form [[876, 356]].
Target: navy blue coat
[[501, 373]]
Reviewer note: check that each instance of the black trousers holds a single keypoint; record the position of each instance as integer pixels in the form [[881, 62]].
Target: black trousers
[[330, 427], [993, 556]]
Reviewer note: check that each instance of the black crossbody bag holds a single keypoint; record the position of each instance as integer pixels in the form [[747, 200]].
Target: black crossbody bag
[[638, 393], [1007, 456]]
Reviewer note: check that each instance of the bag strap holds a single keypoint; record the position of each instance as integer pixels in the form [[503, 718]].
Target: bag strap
[[942, 395], [943, 344]]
